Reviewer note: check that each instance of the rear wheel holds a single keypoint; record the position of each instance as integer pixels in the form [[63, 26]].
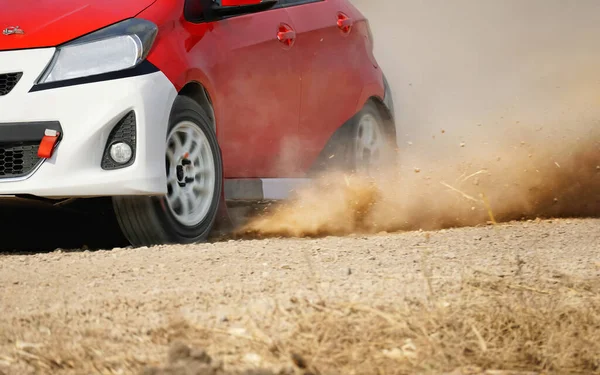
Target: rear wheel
[[372, 143], [193, 167]]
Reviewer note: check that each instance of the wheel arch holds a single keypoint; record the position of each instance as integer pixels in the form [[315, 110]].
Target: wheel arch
[[336, 145], [198, 93], [380, 94], [387, 114]]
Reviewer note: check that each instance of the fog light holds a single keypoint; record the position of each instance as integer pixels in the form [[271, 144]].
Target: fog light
[[121, 152]]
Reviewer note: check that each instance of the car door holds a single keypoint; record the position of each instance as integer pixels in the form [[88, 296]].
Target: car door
[[330, 88], [257, 89]]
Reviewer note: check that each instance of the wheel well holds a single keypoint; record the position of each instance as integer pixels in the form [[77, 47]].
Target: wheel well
[[388, 119], [199, 94]]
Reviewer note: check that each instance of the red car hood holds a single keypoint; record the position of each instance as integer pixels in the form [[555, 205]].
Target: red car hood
[[47, 23]]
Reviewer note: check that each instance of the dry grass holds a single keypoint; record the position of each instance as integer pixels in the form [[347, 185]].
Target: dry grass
[[493, 323], [551, 326]]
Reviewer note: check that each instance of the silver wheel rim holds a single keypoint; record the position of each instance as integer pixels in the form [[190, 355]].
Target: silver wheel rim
[[190, 173], [370, 144]]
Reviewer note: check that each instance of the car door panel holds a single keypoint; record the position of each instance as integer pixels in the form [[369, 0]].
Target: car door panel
[[257, 90], [331, 82], [360, 47]]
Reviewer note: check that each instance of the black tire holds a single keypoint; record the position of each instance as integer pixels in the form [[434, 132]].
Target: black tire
[[386, 157], [147, 221]]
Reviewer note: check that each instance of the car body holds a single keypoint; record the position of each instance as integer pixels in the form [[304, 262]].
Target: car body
[[278, 81]]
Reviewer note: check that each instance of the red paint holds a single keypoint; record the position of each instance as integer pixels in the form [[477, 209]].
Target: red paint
[[251, 79], [238, 2], [47, 23], [281, 81], [335, 68]]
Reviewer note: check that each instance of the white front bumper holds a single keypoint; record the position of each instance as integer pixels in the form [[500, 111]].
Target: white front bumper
[[87, 114]]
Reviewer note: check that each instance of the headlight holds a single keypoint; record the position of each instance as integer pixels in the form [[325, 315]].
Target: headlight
[[117, 47]]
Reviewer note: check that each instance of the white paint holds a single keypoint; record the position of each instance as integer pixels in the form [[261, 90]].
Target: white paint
[[87, 114]]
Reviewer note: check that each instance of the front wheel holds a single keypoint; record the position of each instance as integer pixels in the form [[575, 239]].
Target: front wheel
[[193, 166]]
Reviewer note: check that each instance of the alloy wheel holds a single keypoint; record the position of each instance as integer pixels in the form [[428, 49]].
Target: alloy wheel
[[190, 173], [370, 144]]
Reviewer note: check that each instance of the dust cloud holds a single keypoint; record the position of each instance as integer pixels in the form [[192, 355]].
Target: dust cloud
[[498, 113]]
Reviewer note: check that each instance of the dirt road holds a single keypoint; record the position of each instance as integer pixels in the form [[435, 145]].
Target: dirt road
[[254, 303]]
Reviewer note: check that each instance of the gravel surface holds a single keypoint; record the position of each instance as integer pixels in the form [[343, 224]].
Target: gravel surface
[[114, 302]]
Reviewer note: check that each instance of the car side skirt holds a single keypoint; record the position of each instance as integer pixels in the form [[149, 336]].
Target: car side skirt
[[262, 189]]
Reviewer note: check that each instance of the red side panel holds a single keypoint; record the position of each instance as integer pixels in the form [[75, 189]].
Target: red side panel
[[260, 94], [360, 41], [249, 76], [277, 102], [337, 70]]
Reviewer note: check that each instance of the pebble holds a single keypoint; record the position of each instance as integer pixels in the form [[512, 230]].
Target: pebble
[[253, 359]]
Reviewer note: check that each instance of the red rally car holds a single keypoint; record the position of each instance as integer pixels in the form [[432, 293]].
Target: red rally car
[[174, 107]]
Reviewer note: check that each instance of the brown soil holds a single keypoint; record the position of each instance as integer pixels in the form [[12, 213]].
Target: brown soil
[[522, 296], [548, 181]]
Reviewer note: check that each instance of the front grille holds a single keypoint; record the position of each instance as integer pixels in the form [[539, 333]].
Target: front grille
[[8, 81], [18, 160]]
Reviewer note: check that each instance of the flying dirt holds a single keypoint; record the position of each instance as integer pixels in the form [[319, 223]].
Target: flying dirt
[[521, 184], [496, 121]]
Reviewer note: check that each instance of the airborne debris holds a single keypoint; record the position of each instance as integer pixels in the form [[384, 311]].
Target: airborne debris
[[516, 186]]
